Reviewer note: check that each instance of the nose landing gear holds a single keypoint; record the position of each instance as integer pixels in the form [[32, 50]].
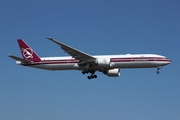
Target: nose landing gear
[[158, 68]]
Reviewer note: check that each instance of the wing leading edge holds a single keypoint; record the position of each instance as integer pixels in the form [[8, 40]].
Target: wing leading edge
[[77, 54]]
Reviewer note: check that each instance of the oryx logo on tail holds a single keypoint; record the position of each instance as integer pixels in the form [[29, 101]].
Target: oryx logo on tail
[[27, 53]]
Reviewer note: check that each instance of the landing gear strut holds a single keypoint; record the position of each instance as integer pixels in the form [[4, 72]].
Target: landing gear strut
[[85, 71], [157, 71]]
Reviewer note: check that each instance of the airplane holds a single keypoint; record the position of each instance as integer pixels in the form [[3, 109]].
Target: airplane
[[110, 65]]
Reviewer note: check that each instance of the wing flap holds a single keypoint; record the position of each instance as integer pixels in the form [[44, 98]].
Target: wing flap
[[79, 55]]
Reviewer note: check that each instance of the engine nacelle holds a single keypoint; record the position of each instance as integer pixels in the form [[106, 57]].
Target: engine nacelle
[[103, 62], [113, 72]]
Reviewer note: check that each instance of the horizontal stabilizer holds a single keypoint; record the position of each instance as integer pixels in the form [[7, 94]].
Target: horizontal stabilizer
[[19, 59]]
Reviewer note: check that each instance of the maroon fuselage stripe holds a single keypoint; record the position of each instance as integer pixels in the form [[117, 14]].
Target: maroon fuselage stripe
[[73, 61], [136, 59]]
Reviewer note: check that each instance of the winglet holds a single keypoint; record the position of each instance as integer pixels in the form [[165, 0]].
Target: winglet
[[55, 41], [49, 38]]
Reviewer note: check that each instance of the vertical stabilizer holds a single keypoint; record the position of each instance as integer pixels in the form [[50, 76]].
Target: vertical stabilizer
[[27, 52]]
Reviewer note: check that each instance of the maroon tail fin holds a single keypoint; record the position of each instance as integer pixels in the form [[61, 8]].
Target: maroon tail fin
[[27, 52]]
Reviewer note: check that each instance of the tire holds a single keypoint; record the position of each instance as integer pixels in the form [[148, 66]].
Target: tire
[[95, 76], [157, 72]]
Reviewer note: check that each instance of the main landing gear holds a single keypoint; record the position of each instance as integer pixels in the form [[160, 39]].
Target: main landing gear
[[158, 68], [92, 76]]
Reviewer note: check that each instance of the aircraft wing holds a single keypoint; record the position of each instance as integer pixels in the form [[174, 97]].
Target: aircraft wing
[[72, 51]]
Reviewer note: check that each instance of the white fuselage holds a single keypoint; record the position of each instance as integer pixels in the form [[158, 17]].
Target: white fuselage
[[107, 62]]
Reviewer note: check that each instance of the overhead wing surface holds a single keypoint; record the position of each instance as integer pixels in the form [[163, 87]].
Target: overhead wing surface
[[73, 52]]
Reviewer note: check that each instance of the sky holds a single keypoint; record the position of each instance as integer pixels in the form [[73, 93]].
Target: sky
[[96, 27]]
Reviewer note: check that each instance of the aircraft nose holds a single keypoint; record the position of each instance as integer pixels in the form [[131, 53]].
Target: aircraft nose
[[168, 61]]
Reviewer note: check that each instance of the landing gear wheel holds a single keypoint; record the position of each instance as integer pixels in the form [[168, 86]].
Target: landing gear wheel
[[158, 69], [85, 71], [89, 77], [95, 76], [157, 72], [92, 76]]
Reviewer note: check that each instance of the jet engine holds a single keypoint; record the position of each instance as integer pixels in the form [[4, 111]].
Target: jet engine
[[113, 72]]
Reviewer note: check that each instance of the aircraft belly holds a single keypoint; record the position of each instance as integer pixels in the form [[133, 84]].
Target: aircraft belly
[[56, 66]]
